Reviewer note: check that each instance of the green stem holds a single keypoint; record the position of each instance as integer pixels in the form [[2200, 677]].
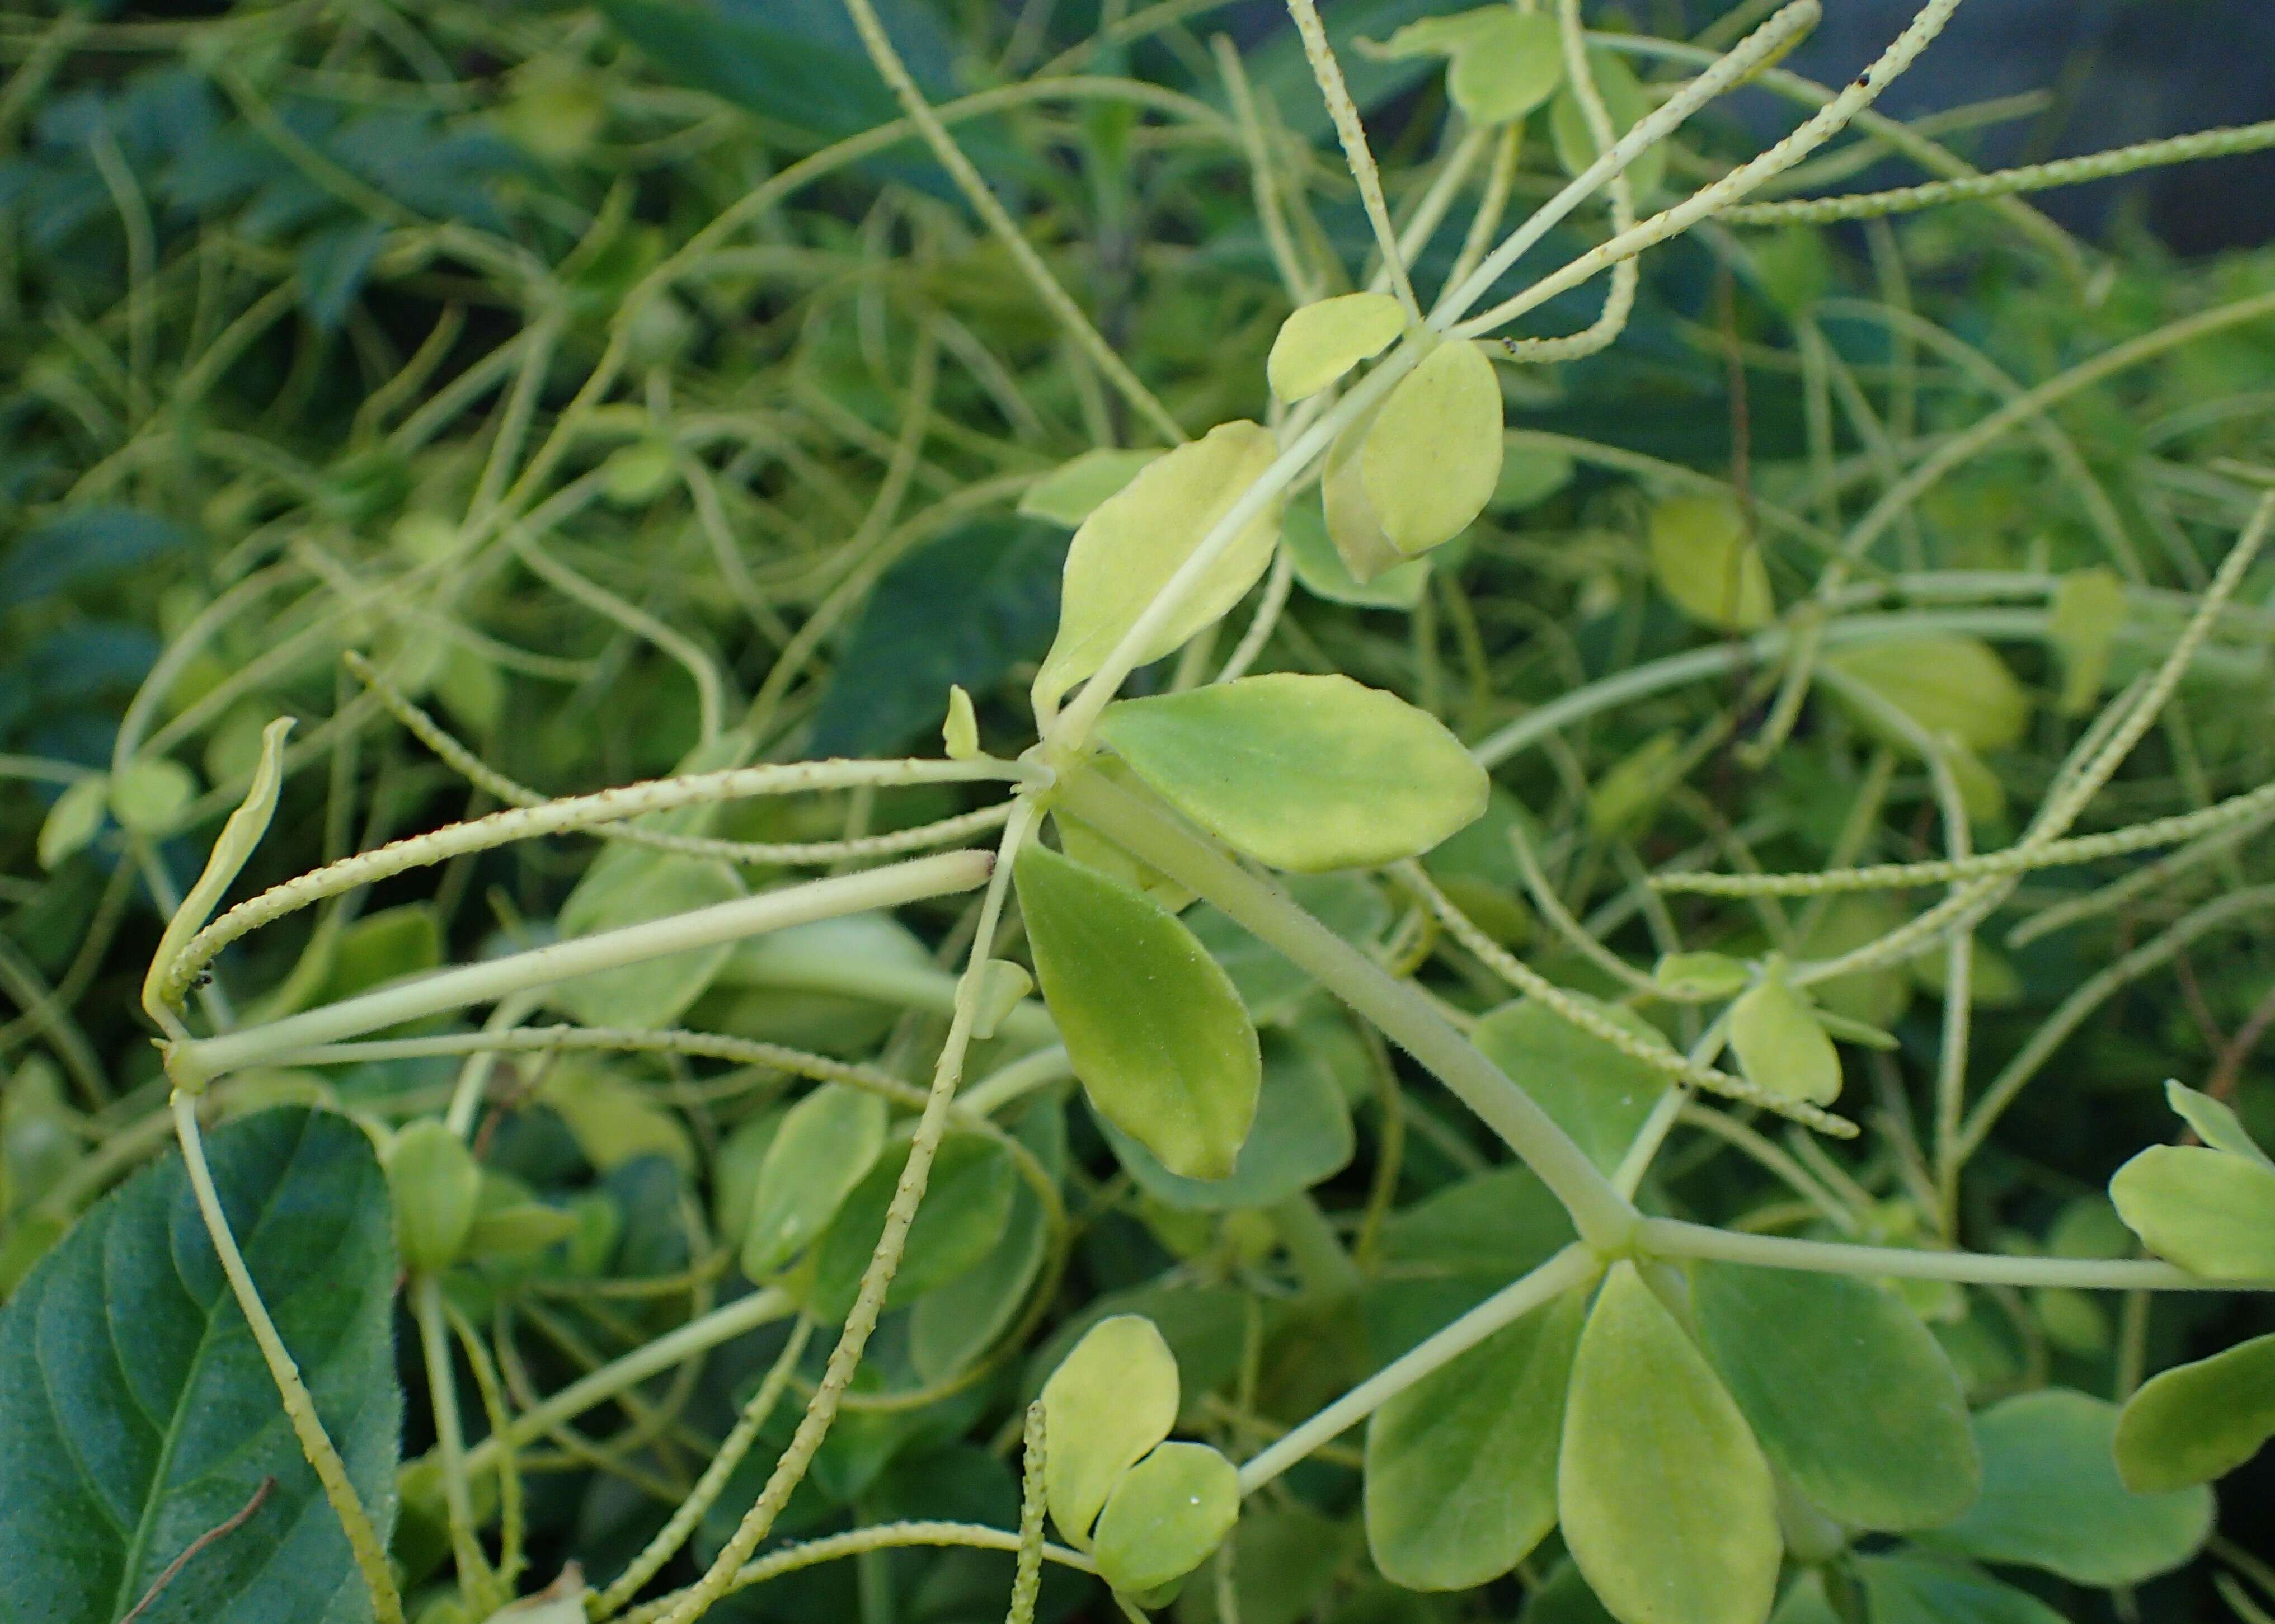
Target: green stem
[[1603, 1216], [475, 1576], [1669, 1237], [544, 967], [299, 1407]]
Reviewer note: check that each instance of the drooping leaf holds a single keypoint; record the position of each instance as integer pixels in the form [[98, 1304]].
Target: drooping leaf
[[962, 609], [2198, 1422], [966, 1205], [1848, 1393], [1667, 1504], [2210, 1212], [1137, 539], [1705, 559], [2051, 1497], [1070, 492], [136, 1413], [1323, 340], [1110, 1401], [630, 885], [1905, 1589], [1597, 1094], [823, 1148], [1780, 1044], [1302, 773], [1301, 1135], [1156, 1033], [1461, 1466], [1954, 685], [1166, 1515], [1433, 453]]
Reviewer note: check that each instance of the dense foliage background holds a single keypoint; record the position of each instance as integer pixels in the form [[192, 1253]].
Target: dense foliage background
[[575, 365]]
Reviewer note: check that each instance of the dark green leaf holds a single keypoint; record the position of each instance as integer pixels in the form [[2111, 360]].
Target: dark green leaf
[[136, 1413], [1912, 1589], [83, 544], [333, 264]]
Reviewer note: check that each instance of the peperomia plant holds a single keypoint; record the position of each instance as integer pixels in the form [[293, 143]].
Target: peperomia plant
[[782, 1169]]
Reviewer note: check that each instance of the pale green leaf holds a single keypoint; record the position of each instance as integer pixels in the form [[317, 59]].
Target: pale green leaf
[[1597, 1094], [1529, 475], [1461, 1466], [436, 1183], [1001, 985], [1164, 1518], [1704, 558], [1945, 684], [1156, 1033], [1781, 1045], [1071, 492], [1848, 1393], [1137, 539], [1321, 341], [1627, 105], [1302, 773], [1323, 573], [1509, 64], [2051, 1497], [238, 837], [1109, 1401], [1353, 524], [73, 820], [611, 1118], [2087, 613], [2214, 1122], [1667, 1504], [2198, 1422], [1701, 977], [823, 1147], [960, 733], [2210, 1212], [136, 1413], [150, 794], [1433, 454], [1435, 36]]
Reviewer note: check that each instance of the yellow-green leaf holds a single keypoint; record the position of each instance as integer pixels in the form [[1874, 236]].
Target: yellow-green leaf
[[1136, 539], [1353, 524], [959, 736], [1320, 567], [1070, 492], [1164, 1518], [1700, 976], [1302, 773], [1001, 985], [2198, 1422], [612, 1120], [2088, 611], [1156, 1033], [1110, 1401], [1321, 341], [1509, 64], [1668, 1504], [2210, 1212], [1946, 684], [1433, 454], [1706, 563], [2214, 1122], [1780, 1045], [824, 1147]]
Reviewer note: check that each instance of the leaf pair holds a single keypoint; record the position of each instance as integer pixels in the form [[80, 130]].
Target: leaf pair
[[1149, 1511], [2210, 1208], [1655, 1451]]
